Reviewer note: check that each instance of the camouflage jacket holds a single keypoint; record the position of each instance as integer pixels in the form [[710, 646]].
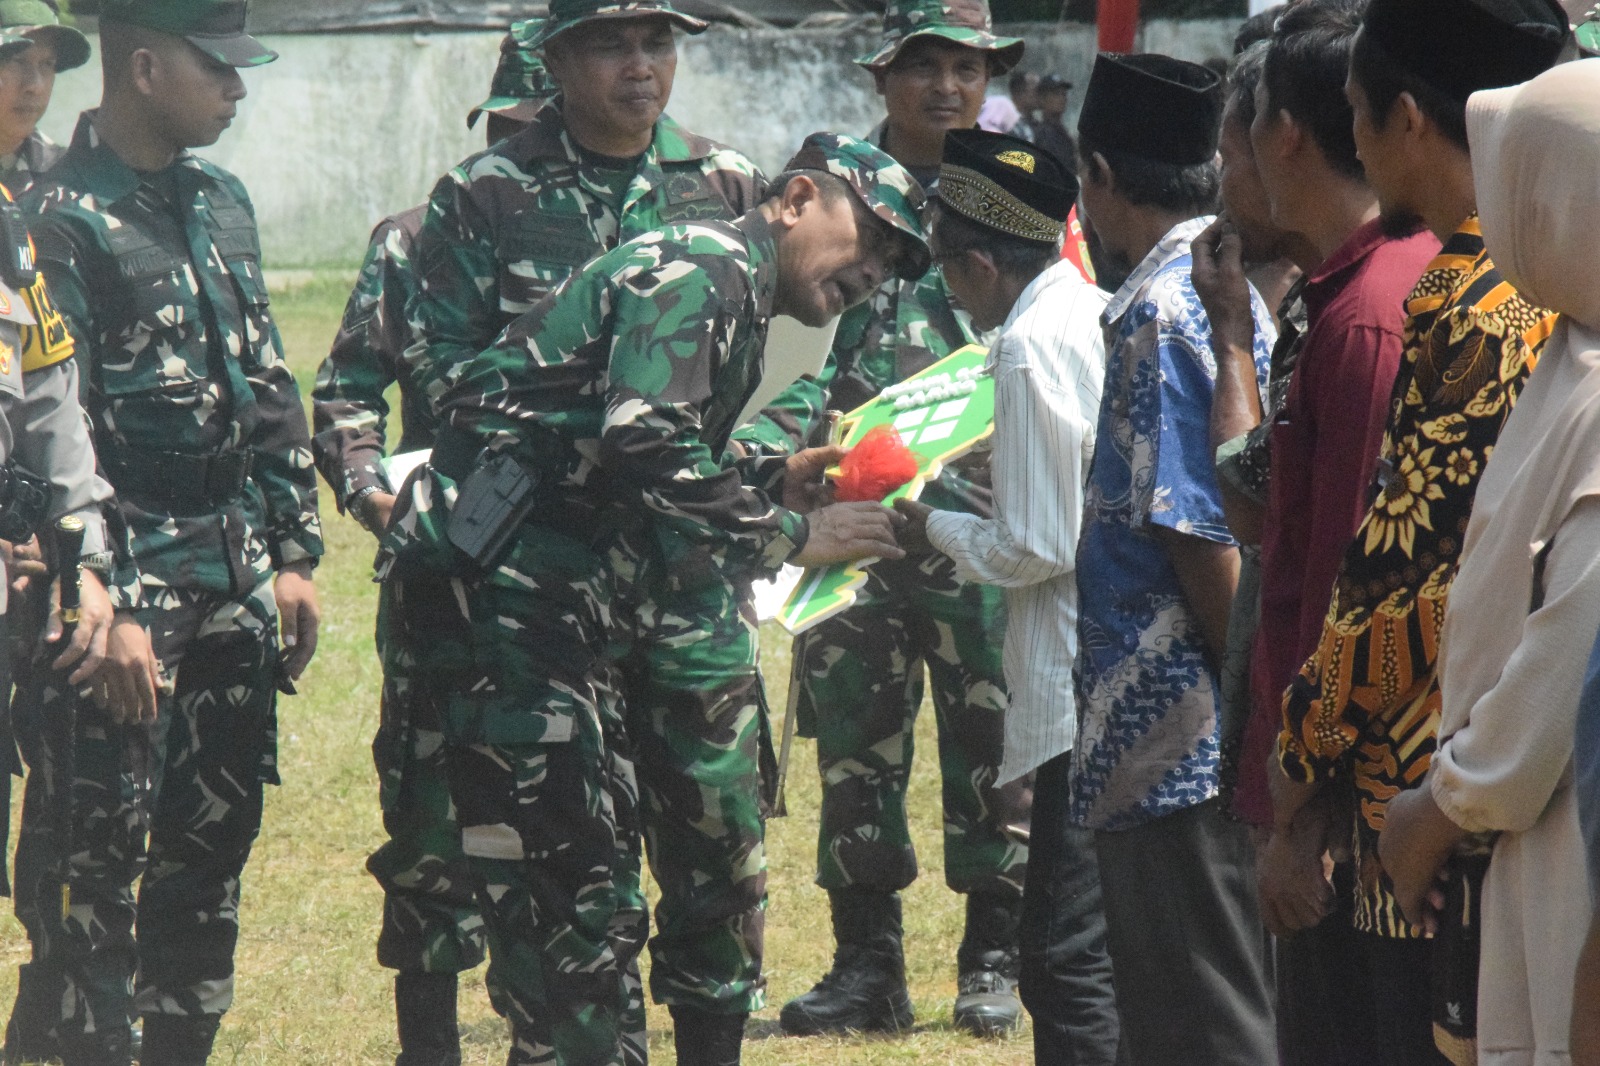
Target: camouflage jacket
[[158, 277], [508, 225], [22, 168], [905, 327], [620, 392], [348, 409]]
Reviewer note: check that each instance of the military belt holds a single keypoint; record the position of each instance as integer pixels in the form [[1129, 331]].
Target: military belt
[[24, 503], [184, 479]]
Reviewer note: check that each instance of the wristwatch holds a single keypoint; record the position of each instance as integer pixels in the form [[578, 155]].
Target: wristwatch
[[353, 506], [102, 563]]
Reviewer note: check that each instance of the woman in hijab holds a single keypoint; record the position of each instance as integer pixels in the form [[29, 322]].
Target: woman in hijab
[[1524, 610]]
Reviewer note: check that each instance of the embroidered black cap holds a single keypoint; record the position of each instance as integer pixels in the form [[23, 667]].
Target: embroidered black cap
[[1461, 46], [1153, 106], [1007, 184]]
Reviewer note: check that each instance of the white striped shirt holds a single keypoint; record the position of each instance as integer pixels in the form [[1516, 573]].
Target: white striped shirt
[[1049, 368]]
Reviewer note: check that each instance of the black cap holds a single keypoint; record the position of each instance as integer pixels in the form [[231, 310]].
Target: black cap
[[1461, 46], [1053, 83], [1153, 106], [1006, 184]]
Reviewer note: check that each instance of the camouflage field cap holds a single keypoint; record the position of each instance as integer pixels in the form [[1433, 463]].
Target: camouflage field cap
[[216, 27], [886, 188], [26, 21], [521, 83], [565, 14], [963, 21]]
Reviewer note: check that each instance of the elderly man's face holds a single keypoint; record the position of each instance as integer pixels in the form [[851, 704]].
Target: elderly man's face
[[616, 73], [934, 86]]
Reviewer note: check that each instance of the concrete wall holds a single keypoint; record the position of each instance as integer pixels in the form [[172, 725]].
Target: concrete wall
[[347, 128]]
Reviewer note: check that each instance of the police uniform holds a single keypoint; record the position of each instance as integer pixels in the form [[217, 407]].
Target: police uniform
[[600, 419], [199, 426], [526, 213]]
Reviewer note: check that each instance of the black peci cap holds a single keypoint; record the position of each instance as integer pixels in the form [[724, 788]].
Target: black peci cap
[[1006, 184], [1153, 106], [1461, 46]]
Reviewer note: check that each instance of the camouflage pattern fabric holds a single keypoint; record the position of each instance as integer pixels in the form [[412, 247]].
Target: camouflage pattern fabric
[[508, 225], [349, 412], [177, 803], [565, 14], [697, 719], [181, 355], [520, 79], [22, 168], [859, 676], [884, 187], [966, 22]]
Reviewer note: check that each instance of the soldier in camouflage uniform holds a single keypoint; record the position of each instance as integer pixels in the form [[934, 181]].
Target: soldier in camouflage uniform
[[860, 675], [153, 256], [37, 48], [502, 230], [431, 929], [579, 451]]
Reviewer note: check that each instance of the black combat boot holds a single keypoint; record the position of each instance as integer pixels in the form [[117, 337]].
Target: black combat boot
[[988, 964], [866, 989], [706, 1039], [109, 1048], [178, 1039], [425, 1013]]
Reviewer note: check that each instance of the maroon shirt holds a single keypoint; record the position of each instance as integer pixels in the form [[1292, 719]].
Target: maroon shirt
[[1324, 449]]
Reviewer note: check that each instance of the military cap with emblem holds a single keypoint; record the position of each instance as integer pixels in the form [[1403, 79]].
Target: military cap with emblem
[[25, 21], [1154, 107], [565, 14], [883, 186], [216, 27], [1006, 184], [965, 22], [521, 83], [1462, 46]]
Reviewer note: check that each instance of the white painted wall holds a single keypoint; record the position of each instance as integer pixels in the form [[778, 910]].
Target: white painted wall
[[347, 128]]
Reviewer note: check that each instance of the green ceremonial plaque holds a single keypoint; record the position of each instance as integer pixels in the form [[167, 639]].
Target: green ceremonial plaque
[[941, 413]]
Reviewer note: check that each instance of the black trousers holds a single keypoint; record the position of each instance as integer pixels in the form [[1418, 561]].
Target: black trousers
[[1188, 950], [1066, 973]]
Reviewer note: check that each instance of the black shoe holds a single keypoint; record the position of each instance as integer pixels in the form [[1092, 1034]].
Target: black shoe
[[865, 992], [988, 964], [425, 1014], [705, 1039], [178, 1039]]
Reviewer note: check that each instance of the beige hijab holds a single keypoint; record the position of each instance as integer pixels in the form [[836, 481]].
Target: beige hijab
[[1536, 161]]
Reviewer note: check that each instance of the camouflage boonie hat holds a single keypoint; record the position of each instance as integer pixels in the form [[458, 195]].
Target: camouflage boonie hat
[[25, 21], [963, 21], [565, 14], [521, 83], [216, 27], [886, 188]]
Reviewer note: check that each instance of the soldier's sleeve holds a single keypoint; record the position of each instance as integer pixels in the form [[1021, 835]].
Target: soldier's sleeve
[[784, 427], [281, 446], [738, 180], [673, 328], [59, 300], [455, 312], [348, 409]]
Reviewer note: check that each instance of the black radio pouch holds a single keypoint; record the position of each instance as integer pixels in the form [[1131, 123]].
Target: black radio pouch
[[17, 269], [24, 503], [491, 503]]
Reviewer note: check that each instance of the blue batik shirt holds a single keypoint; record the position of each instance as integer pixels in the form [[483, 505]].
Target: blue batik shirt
[[1147, 690]]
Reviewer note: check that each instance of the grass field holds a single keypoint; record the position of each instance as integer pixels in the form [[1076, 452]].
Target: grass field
[[309, 990]]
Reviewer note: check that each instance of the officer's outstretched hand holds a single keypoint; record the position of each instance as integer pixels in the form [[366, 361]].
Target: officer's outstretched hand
[[846, 531], [299, 614], [805, 482]]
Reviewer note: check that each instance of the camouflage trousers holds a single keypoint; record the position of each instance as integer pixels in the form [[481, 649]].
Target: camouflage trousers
[[860, 682], [177, 803], [697, 721], [431, 922], [546, 800]]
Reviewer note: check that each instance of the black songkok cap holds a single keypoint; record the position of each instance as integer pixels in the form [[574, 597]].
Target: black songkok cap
[[1006, 184], [1154, 107], [1461, 46]]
